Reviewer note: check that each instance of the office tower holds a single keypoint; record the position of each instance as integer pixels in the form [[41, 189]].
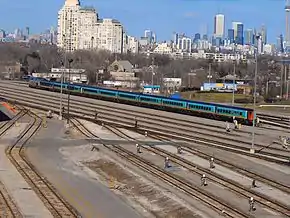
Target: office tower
[[219, 25], [248, 38], [240, 34], [231, 35], [149, 35], [264, 34], [205, 37], [196, 37], [235, 28], [175, 38]]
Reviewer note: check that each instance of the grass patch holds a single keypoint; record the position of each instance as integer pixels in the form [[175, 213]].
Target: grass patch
[[213, 97]]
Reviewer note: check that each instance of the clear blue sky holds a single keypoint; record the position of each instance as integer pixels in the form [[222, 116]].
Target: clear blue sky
[[162, 16]]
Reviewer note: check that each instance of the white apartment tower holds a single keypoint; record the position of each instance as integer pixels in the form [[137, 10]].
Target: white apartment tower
[[68, 26], [110, 35], [80, 28], [219, 25], [87, 28]]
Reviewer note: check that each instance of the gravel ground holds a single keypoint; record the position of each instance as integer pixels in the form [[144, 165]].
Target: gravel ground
[[136, 188], [142, 194]]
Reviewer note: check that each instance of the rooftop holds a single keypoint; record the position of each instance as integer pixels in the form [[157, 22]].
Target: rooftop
[[72, 3]]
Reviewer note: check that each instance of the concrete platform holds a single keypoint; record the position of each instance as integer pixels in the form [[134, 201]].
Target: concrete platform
[[69, 177], [26, 200]]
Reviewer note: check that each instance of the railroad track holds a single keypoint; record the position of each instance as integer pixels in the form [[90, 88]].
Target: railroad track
[[227, 164], [280, 121], [8, 208], [50, 96], [187, 128], [214, 177], [183, 185], [51, 199], [7, 125]]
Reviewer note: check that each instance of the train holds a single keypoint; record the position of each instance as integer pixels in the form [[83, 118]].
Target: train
[[215, 111]]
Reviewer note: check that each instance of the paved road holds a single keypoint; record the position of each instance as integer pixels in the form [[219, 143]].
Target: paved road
[[87, 195]]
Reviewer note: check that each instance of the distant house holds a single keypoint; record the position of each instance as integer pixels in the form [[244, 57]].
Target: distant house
[[121, 66], [122, 74]]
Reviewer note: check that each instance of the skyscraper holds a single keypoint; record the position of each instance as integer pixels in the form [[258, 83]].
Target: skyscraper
[[264, 34], [175, 38], [235, 28], [240, 34], [219, 25], [248, 38], [149, 35], [231, 35], [196, 37], [68, 25], [80, 28]]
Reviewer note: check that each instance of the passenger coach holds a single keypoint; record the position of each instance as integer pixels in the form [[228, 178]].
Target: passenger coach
[[196, 108]]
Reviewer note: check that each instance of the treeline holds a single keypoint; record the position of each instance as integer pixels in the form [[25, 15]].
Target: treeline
[[193, 72]]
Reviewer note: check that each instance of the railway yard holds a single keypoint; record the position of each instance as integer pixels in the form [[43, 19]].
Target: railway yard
[[115, 160]]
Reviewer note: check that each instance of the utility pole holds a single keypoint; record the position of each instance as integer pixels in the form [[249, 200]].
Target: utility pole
[[209, 72], [62, 81], [152, 78], [252, 150], [234, 83], [287, 81], [281, 79], [69, 82]]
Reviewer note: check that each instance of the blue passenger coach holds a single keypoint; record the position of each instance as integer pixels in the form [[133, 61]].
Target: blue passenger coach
[[196, 108]]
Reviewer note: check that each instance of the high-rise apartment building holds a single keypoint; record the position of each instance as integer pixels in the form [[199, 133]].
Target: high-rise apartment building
[[68, 25], [184, 44], [219, 25], [87, 28], [80, 28], [110, 35]]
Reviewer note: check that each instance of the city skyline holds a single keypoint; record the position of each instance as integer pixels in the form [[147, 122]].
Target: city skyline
[[182, 20]]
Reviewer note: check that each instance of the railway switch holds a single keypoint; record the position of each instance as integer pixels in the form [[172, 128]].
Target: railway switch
[[211, 163], [203, 180], [44, 122], [254, 183], [252, 204], [166, 163], [179, 151], [138, 148]]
